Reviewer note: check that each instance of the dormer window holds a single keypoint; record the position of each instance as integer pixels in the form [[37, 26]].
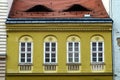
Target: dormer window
[[76, 7], [39, 8]]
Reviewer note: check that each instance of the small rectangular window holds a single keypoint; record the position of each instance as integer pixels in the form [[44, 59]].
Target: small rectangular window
[[50, 52], [25, 52], [97, 51], [73, 52]]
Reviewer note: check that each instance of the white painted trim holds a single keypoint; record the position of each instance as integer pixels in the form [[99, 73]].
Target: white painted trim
[[74, 51], [97, 51], [50, 47], [44, 53], [26, 52], [19, 52], [67, 52]]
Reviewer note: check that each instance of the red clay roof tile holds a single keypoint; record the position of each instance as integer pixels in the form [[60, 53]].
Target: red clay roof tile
[[20, 7]]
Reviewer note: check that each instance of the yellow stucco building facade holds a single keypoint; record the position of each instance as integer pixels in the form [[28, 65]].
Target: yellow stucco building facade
[[38, 34], [59, 40]]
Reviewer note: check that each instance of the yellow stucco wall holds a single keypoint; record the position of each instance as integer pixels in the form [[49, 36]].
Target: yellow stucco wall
[[59, 77], [38, 40]]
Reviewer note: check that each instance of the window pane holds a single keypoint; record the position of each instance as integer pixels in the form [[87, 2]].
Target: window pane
[[22, 44], [53, 44], [70, 60], [76, 44], [94, 44], [47, 49], [76, 49], [47, 60], [100, 49], [100, 44], [47, 44], [22, 55], [53, 55], [76, 59], [47, 55], [94, 59], [70, 44], [53, 60], [29, 45], [76, 54], [70, 49], [28, 60], [28, 49], [53, 49], [28, 55], [100, 59], [22, 60], [94, 54], [22, 49], [100, 55], [94, 49], [70, 55]]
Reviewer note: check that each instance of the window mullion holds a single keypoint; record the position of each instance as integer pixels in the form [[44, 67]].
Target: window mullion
[[73, 51], [79, 51], [31, 52], [20, 57], [97, 51], [50, 51], [67, 52], [25, 52], [56, 52], [44, 52], [103, 51]]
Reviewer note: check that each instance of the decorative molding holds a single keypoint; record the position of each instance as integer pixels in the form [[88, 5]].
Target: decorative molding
[[59, 27]]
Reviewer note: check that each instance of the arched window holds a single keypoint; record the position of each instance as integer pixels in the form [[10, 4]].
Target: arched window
[[97, 49], [50, 50], [25, 49], [73, 49]]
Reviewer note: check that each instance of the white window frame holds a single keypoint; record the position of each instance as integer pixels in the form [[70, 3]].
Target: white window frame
[[50, 52], [73, 51], [97, 52], [25, 52]]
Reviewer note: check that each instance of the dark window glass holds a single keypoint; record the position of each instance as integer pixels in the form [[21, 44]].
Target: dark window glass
[[47, 60], [28, 60], [53, 60], [94, 59], [22, 60]]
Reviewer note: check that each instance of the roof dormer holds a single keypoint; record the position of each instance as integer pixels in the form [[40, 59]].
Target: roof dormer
[[39, 8], [76, 7]]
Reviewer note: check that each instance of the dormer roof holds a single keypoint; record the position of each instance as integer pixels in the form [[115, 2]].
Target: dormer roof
[[57, 9]]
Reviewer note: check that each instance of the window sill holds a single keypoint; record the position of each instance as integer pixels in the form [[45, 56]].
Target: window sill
[[20, 64], [73, 63], [47, 64], [96, 63]]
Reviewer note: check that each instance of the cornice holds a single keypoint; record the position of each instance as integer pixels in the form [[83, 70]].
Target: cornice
[[59, 27], [57, 20]]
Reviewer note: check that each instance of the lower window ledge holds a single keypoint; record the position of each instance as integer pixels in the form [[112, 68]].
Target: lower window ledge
[[73, 66], [50, 67], [98, 67], [25, 67]]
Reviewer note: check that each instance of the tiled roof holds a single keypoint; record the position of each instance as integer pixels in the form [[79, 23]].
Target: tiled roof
[[57, 9]]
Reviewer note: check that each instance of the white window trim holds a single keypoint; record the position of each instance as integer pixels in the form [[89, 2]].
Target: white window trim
[[73, 55], [25, 53], [50, 63], [97, 52]]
